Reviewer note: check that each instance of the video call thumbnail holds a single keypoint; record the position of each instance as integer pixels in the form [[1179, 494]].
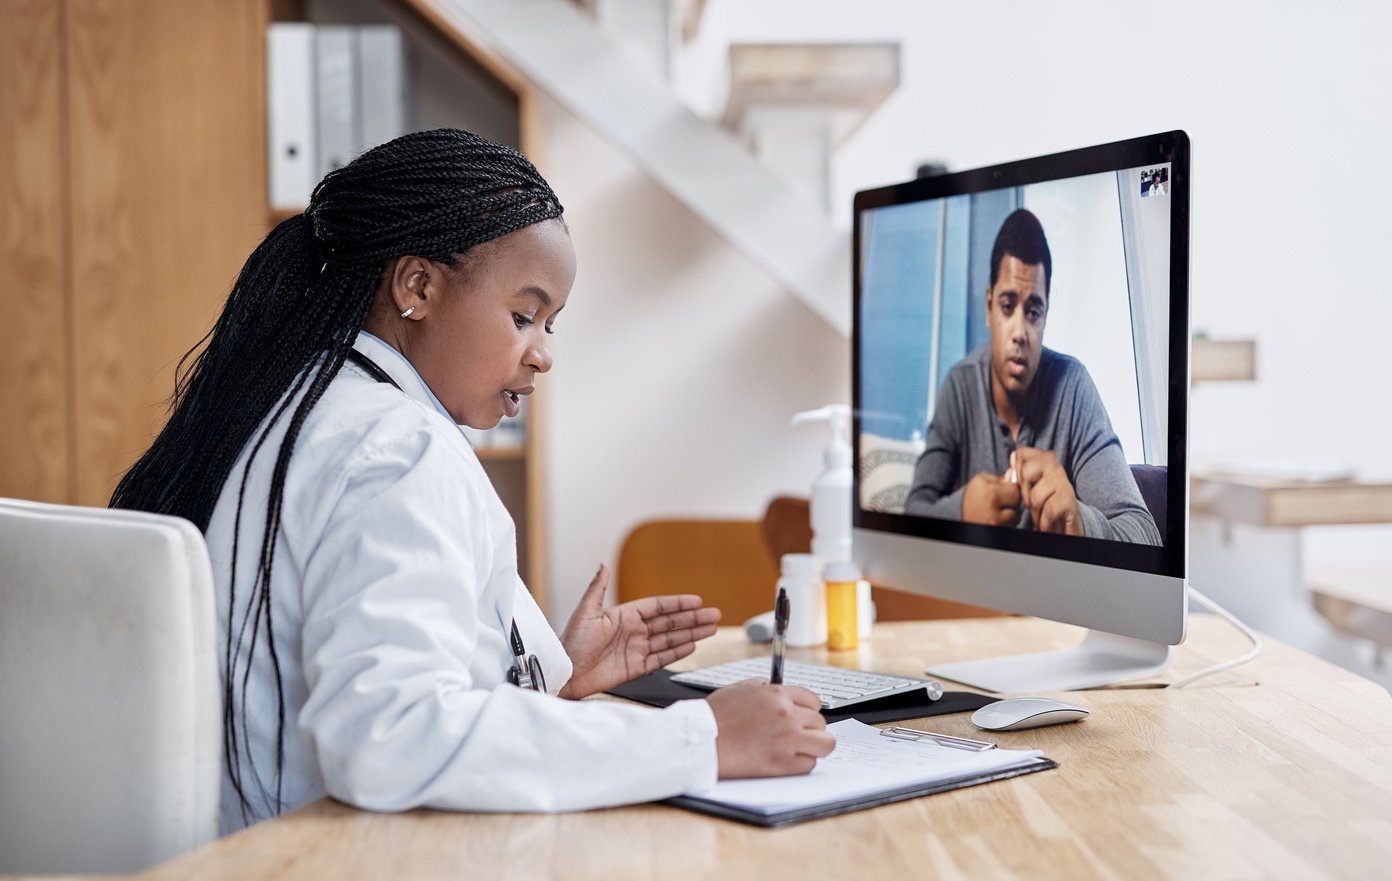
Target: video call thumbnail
[[1155, 181]]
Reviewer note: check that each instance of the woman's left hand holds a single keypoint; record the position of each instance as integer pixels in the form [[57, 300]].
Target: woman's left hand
[[611, 646]]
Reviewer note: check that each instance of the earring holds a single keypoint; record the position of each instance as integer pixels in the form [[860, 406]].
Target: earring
[[407, 313]]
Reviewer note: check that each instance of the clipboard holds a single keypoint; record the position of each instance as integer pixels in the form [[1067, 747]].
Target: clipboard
[[831, 809], [871, 767]]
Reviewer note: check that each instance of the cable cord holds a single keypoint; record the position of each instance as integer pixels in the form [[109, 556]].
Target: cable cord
[[1225, 665]]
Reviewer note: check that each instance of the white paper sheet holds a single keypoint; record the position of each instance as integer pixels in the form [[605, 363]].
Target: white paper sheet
[[864, 762]]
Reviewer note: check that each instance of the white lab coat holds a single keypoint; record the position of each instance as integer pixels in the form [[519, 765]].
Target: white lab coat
[[395, 576]]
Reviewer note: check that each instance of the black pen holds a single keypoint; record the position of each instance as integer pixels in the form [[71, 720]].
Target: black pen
[[780, 632]]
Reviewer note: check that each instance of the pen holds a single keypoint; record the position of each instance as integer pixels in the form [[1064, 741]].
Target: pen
[[945, 739], [780, 632]]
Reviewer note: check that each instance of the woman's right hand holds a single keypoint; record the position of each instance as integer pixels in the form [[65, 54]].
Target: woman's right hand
[[768, 730]]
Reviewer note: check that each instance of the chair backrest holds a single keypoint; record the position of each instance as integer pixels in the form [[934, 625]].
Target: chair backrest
[[1153, 482], [733, 564], [787, 530], [110, 712], [725, 562]]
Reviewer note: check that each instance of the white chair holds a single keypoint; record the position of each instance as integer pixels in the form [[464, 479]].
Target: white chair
[[110, 707]]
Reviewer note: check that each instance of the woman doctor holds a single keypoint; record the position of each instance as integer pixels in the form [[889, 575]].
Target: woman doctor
[[372, 626]]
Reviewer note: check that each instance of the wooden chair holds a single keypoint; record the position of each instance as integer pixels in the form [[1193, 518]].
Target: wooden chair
[[733, 565], [725, 562], [787, 530]]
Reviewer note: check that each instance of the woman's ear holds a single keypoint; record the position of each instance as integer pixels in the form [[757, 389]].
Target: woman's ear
[[414, 284]]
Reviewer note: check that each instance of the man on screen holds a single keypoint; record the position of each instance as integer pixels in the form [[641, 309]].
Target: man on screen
[[1019, 436]]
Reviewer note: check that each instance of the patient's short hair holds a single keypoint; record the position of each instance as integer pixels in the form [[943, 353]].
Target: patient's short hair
[[1022, 236]]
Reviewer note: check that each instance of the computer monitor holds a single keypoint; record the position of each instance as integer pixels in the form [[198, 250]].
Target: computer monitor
[[1020, 387]]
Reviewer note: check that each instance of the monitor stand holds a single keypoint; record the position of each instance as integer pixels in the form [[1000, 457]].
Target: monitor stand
[[1101, 659]]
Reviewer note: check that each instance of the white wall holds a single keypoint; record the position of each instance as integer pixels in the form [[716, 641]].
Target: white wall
[[677, 366], [1286, 104], [678, 362], [1294, 92], [1089, 313]]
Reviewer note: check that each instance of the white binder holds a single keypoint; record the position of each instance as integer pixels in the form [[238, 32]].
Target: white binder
[[381, 85], [337, 79], [290, 78], [332, 92]]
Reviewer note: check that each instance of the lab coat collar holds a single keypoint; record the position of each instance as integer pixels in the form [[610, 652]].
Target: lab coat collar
[[399, 369]]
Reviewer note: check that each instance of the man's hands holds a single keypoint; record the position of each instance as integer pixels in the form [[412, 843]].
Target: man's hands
[[1046, 492], [768, 730], [611, 646], [1039, 485], [991, 499]]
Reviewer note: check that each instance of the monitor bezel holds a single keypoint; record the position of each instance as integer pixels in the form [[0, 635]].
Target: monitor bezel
[[1166, 147]]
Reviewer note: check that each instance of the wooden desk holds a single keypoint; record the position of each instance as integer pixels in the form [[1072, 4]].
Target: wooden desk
[[1279, 769]]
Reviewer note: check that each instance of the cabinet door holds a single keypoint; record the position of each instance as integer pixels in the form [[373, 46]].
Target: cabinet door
[[35, 454], [167, 139]]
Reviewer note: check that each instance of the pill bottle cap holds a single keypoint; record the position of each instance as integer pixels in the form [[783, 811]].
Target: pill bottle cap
[[799, 566], [838, 572]]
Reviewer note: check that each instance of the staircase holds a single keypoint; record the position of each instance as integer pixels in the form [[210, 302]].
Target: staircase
[[779, 223]]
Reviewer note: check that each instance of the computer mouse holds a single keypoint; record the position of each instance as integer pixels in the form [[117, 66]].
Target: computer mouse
[[1026, 712]]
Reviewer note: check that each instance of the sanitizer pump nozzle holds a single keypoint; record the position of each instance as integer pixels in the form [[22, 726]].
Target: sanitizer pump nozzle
[[831, 491]]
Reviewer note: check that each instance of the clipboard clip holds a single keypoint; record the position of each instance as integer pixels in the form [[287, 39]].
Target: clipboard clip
[[913, 734]]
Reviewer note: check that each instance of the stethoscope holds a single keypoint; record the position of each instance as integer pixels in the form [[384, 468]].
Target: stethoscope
[[525, 671]]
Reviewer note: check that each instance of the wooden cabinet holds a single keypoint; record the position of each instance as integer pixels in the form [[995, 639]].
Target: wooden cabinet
[[131, 169], [35, 361], [132, 189]]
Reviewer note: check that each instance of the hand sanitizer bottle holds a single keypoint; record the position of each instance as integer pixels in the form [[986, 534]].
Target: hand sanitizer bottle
[[831, 514], [831, 491]]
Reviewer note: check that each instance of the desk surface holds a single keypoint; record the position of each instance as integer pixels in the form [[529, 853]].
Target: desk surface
[[1281, 768]]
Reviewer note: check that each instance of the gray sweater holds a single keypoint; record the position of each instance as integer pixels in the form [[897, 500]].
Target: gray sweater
[[1064, 415]]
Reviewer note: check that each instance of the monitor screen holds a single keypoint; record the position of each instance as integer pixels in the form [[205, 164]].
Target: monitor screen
[[1020, 358]]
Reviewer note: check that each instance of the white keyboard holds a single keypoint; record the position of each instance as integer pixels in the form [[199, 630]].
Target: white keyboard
[[836, 686]]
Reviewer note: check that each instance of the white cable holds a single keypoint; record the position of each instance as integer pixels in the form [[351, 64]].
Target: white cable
[[1225, 665]]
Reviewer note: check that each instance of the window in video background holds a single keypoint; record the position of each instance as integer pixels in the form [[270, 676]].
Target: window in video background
[[1108, 307]]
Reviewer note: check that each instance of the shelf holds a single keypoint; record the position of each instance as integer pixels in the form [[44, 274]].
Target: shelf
[[1224, 360], [1356, 603], [1271, 501], [854, 78]]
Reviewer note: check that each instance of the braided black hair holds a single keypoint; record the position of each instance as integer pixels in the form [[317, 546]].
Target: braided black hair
[[288, 324]]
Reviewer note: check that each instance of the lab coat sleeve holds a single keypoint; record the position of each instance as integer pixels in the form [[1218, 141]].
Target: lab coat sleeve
[[395, 651]]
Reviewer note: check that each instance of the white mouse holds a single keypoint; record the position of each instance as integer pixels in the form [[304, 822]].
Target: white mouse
[[1026, 712]]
